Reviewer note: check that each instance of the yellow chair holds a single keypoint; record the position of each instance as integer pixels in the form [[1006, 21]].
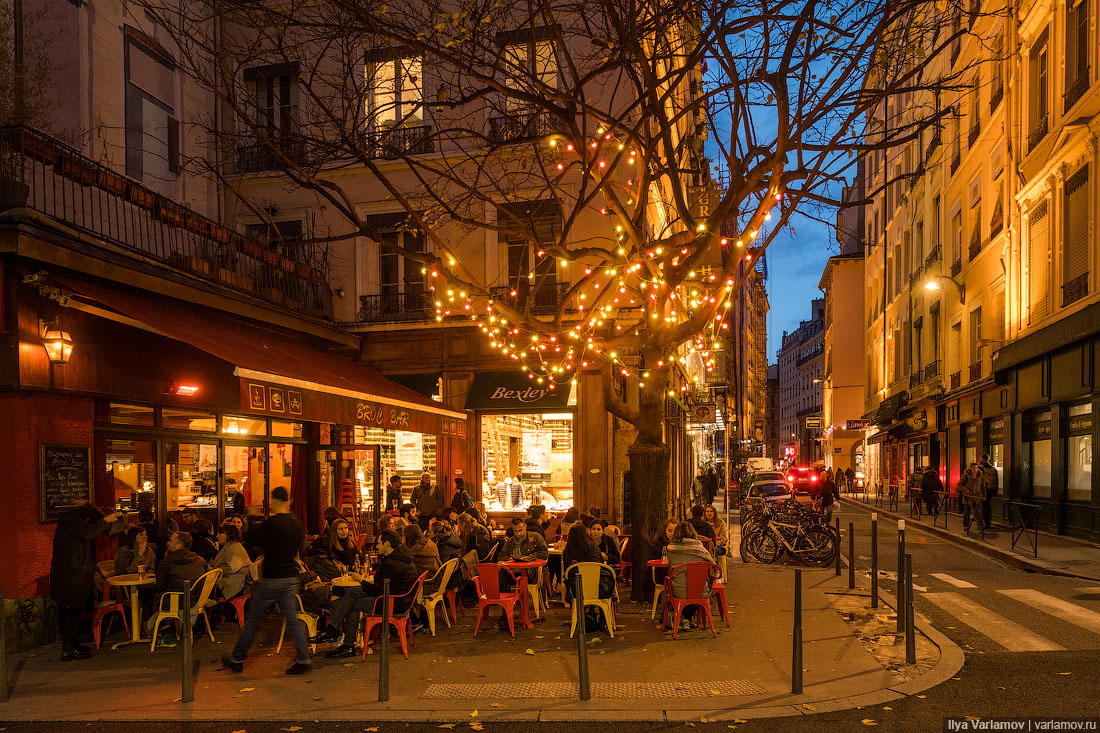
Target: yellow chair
[[658, 591], [306, 618], [206, 582], [430, 602], [537, 592], [590, 582]]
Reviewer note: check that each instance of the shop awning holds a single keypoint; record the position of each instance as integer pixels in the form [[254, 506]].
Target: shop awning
[[516, 392], [278, 376], [888, 409]]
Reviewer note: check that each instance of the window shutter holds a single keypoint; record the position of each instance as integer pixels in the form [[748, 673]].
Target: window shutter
[[1076, 249], [1038, 262]]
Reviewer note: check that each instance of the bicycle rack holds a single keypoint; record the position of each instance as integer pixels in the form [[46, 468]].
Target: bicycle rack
[[1028, 516], [941, 508]]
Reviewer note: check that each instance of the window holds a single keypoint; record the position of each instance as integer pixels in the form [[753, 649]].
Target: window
[[956, 237], [954, 356], [918, 362], [120, 414], [975, 335], [937, 231], [1077, 51], [1038, 263], [152, 131], [274, 94], [239, 425], [1079, 453], [934, 328], [395, 91], [400, 280], [918, 244], [1040, 89], [1075, 263], [187, 420], [531, 67], [996, 66], [527, 228], [1037, 455]]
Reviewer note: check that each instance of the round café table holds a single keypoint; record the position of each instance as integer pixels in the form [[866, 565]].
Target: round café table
[[345, 582], [525, 599], [133, 582]]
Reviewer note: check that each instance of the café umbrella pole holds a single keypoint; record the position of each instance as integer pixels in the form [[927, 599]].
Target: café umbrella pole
[[874, 560], [384, 645], [4, 692], [582, 645], [187, 657]]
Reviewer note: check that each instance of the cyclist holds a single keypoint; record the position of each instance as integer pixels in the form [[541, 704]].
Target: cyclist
[[972, 493]]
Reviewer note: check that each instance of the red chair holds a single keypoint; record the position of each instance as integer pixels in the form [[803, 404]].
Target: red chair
[[487, 582], [238, 603], [360, 540], [401, 622], [698, 574], [718, 590], [626, 554], [109, 604], [708, 543]]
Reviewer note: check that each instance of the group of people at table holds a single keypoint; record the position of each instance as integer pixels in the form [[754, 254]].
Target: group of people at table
[[265, 556]]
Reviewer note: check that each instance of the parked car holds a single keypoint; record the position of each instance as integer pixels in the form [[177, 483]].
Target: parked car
[[768, 491], [803, 480], [767, 476]]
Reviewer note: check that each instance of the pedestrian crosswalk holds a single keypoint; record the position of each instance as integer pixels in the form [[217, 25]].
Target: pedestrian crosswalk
[[1069, 612], [1012, 636], [953, 580]]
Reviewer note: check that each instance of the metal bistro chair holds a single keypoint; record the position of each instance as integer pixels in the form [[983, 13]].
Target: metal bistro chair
[[206, 583], [110, 602], [306, 618], [487, 582], [400, 621], [697, 573], [590, 583], [442, 594]]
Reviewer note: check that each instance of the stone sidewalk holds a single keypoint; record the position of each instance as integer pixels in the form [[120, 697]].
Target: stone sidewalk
[[1057, 555], [640, 674]]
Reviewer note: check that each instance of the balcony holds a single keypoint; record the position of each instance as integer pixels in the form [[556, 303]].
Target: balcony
[[956, 267], [1075, 289], [260, 157], [932, 258], [931, 370], [915, 277], [932, 145], [545, 300], [810, 355], [43, 174], [809, 411], [996, 96], [1036, 136], [525, 126], [955, 380], [972, 136], [915, 380], [407, 307], [398, 142], [976, 371], [1076, 90], [956, 159]]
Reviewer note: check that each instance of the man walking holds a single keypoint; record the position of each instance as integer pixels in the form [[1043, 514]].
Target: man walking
[[990, 481], [281, 539], [428, 499]]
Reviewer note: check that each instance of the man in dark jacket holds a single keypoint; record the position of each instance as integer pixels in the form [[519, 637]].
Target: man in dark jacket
[[699, 524], [428, 498], [991, 483], [397, 566], [178, 565], [929, 486], [72, 572]]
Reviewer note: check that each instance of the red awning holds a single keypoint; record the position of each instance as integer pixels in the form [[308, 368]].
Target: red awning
[[261, 357]]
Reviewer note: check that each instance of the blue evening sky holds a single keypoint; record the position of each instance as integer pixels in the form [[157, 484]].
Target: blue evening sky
[[795, 263]]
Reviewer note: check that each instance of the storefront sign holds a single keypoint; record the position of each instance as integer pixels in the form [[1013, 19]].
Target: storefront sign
[[1080, 424], [305, 404], [409, 450], [995, 432], [515, 391], [64, 478], [813, 422], [857, 424]]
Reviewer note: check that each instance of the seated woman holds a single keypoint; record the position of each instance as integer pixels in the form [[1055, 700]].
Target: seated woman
[[571, 517], [232, 559], [134, 550], [446, 541], [686, 547], [580, 547], [721, 533], [202, 539], [424, 552], [474, 536], [334, 553], [605, 543], [658, 549]]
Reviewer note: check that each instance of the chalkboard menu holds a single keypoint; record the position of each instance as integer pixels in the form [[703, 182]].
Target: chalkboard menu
[[64, 477]]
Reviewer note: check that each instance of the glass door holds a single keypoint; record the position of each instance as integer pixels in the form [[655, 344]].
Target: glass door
[[191, 481], [358, 473], [246, 485]]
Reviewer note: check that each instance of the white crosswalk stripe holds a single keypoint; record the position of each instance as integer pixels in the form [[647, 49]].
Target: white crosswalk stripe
[[953, 580], [1069, 612], [1009, 634]]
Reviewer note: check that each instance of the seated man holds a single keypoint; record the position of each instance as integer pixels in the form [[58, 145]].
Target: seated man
[[700, 524], [396, 565], [409, 515], [523, 545], [179, 565]]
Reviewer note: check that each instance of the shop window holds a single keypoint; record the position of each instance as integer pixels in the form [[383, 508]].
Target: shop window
[[245, 468], [236, 425], [1079, 453], [191, 481], [527, 459], [284, 429], [994, 446], [1037, 455], [132, 473], [187, 420], [122, 414]]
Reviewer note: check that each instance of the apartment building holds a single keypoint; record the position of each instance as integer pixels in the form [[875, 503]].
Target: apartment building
[[772, 440], [981, 254], [749, 337], [801, 360]]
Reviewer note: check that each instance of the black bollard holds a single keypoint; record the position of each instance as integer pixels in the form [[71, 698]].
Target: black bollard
[[187, 657], [851, 556], [796, 652], [582, 645], [910, 632], [384, 645], [4, 691], [874, 560], [838, 547], [901, 575]]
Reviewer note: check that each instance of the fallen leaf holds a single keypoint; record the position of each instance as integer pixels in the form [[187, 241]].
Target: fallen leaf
[[703, 719], [887, 707], [477, 726], [922, 696], [448, 661], [528, 651], [371, 730], [496, 705], [956, 678], [239, 731], [1065, 674], [715, 692], [447, 725], [808, 706], [349, 664], [293, 728], [691, 724], [474, 714], [868, 721], [248, 689], [178, 699]]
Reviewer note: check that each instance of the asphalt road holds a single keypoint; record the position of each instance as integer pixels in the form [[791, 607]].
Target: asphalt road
[[1031, 644]]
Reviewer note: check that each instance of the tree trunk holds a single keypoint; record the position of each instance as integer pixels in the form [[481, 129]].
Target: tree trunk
[[649, 464]]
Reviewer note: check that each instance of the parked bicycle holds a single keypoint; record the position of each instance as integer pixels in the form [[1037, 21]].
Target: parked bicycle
[[809, 542]]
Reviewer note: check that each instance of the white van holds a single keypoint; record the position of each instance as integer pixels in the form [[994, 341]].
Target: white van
[[759, 464]]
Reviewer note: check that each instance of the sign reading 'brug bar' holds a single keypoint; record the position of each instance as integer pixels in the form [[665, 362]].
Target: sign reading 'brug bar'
[[294, 403]]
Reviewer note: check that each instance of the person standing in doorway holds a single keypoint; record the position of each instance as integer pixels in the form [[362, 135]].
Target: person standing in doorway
[[281, 539], [393, 494], [428, 499], [991, 481]]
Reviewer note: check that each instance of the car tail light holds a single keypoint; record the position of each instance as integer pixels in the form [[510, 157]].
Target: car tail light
[[813, 478], [790, 477]]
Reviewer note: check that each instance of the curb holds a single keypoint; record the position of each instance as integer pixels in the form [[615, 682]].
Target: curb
[[1012, 559]]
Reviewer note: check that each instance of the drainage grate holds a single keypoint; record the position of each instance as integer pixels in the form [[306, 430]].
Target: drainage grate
[[628, 690]]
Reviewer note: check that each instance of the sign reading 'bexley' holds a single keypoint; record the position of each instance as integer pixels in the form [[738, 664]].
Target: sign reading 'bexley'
[[515, 391]]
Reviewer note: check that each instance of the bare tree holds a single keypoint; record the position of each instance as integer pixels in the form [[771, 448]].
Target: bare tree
[[585, 126]]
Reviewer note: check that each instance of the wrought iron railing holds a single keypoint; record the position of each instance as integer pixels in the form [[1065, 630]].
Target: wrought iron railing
[[976, 371], [525, 126], [398, 142], [915, 379], [956, 267], [931, 370], [932, 145], [260, 157], [544, 299], [42, 174], [810, 355], [932, 258], [1036, 136], [956, 159], [406, 307], [1075, 289], [1076, 90], [972, 136], [996, 96], [956, 379]]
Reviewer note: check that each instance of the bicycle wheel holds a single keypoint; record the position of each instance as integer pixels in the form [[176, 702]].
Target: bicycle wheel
[[817, 547], [762, 546]]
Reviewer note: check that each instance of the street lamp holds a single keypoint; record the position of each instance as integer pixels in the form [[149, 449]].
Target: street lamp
[[933, 283]]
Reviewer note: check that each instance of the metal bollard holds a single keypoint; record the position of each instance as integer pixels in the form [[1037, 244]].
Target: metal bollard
[[384, 646], [4, 691], [910, 633], [796, 652], [582, 645], [187, 657], [901, 575], [838, 547], [874, 560], [851, 556]]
